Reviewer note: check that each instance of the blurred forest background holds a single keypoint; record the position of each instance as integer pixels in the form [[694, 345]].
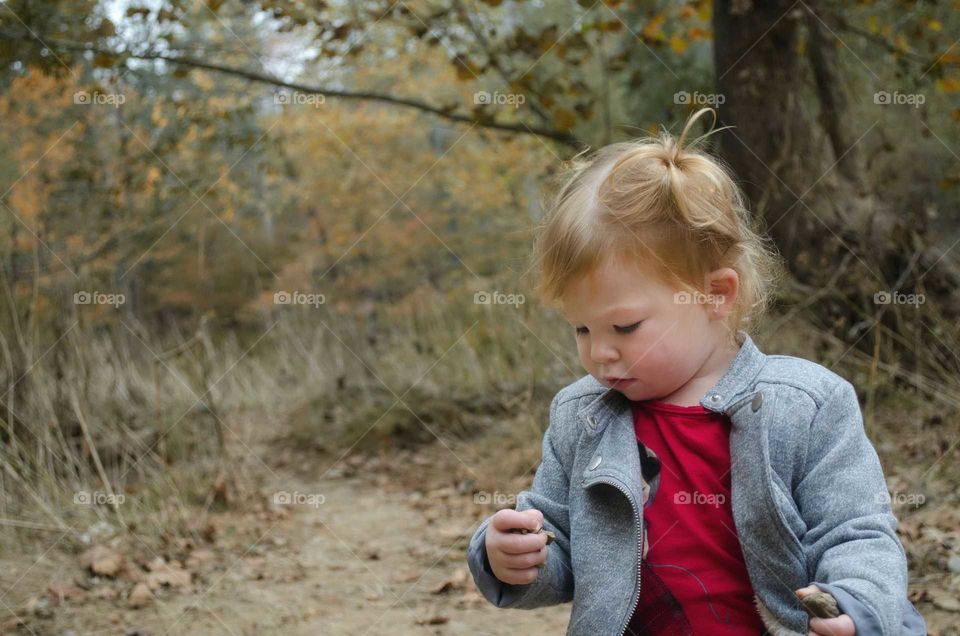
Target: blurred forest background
[[250, 248]]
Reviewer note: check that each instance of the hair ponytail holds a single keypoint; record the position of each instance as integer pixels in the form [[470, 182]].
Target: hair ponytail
[[663, 201]]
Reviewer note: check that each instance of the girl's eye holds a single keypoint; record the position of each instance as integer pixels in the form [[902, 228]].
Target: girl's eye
[[618, 328], [628, 328]]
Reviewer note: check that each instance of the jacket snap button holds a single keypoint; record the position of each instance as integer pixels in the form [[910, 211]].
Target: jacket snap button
[[592, 420], [757, 401], [716, 397], [595, 462]]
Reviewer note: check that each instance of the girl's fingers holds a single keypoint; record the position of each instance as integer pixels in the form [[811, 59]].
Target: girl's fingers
[[522, 577], [524, 561], [803, 591], [507, 519], [840, 626], [510, 543]]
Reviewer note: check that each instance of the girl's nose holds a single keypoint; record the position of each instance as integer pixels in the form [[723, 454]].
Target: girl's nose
[[602, 353]]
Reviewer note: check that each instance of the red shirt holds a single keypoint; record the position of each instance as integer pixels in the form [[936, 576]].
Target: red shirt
[[694, 580]]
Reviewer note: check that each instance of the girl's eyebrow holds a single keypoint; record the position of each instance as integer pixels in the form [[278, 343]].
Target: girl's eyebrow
[[624, 309]]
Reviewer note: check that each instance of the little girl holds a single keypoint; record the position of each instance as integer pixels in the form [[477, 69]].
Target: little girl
[[689, 483]]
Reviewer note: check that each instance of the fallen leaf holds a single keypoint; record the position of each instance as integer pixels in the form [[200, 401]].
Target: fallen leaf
[[199, 558], [140, 595], [454, 582], [63, 591], [171, 574], [11, 624], [436, 619], [102, 560], [946, 602], [106, 593]]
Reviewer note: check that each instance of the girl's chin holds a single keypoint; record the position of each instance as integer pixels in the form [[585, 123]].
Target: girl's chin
[[632, 390]]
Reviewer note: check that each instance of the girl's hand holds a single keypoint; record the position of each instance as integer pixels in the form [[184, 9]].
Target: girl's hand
[[840, 626], [516, 558]]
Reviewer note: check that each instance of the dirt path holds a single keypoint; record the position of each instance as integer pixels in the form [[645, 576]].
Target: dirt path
[[365, 561], [384, 553]]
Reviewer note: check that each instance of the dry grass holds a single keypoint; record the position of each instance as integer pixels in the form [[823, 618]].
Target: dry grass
[[174, 422], [181, 424]]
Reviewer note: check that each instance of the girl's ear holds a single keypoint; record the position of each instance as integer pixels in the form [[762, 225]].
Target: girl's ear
[[722, 286]]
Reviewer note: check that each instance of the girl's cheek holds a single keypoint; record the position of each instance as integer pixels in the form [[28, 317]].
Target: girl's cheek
[[584, 356]]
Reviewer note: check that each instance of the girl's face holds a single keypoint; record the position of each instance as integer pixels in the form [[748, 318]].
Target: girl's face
[[631, 325]]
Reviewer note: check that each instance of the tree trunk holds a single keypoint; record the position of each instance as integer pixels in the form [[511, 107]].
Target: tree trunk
[[804, 173], [771, 148]]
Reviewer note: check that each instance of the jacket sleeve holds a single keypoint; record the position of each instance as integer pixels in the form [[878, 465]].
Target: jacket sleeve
[[548, 493], [851, 545]]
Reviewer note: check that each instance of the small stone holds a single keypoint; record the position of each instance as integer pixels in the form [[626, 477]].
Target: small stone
[[820, 605]]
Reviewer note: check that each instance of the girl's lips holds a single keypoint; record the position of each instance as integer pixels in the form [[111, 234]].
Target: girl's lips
[[619, 383]]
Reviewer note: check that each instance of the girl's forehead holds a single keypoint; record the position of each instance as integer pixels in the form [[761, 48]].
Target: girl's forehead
[[590, 303], [623, 270], [614, 286], [617, 286]]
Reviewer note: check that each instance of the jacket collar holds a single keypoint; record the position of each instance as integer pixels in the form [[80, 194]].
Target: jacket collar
[[737, 380]]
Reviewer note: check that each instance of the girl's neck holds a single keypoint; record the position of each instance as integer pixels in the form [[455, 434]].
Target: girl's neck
[[706, 378]]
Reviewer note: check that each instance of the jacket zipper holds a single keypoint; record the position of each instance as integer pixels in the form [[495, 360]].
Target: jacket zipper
[[639, 524]]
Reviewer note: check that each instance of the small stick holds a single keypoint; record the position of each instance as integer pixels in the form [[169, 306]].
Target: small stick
[[550, 536]]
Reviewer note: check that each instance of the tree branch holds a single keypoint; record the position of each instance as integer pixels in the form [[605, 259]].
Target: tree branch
[[840, 23], [494, 59], [262, 78]]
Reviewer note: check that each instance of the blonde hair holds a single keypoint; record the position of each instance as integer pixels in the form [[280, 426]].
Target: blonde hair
[[672, 208]]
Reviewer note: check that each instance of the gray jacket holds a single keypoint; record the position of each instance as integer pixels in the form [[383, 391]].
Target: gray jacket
[[808, 495]]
